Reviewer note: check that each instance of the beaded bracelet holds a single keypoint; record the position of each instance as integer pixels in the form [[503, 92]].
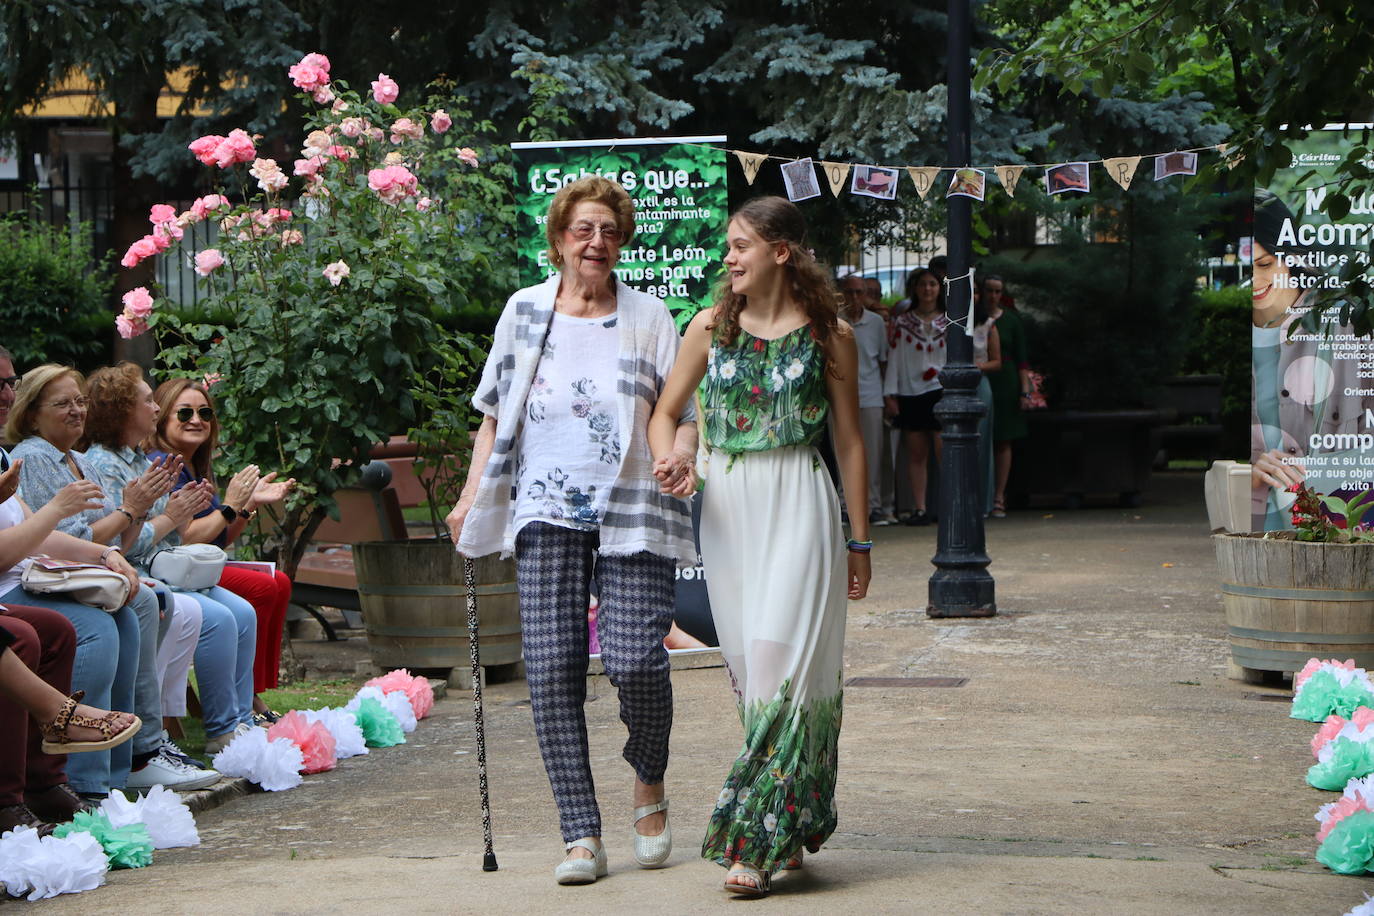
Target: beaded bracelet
[[858, 546]]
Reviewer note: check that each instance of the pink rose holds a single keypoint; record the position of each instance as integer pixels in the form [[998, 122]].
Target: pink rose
[[212, 379], [129, 327], [164, 234], [208, 261], [352, 127], [423, 204], [204, 148], [307, 168], [375, 134], [323, 96], [393, 183], [404, 129], [341, 153], [292, 237], [237, 147], [440, 121], [311, 73], [269, 175], [138, 303], [202, 207], [143, 248], [384, 89], [162, 213], [468, 155], [316, 142], [336, 272], [339, 106], [161, 241]]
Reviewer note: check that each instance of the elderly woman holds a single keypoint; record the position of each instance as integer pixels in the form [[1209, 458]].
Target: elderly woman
[[122, 415], [188, 428], [562, 477], [47, 419]]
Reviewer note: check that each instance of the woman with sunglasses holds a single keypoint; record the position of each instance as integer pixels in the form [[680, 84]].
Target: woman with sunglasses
[[562, 477], [187, 429]]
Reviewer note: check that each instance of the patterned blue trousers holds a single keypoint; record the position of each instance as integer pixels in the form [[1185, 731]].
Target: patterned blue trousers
[[555, 569]]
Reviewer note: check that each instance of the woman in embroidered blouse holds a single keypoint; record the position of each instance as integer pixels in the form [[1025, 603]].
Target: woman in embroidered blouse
[[122, 414], [911, 387], [561, 476], [773, 359]]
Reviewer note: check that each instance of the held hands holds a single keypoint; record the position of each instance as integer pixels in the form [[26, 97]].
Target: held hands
[[889, 407], [676, 474], [1269, 470], [9, 481], [115, 560], [860, 574], [184, 504], [78, 496]]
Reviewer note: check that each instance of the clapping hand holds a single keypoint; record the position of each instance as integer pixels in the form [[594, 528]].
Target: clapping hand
[[9, 481], [241, 488], [78, 496], [189, 501], [152, 485], [271, 490]]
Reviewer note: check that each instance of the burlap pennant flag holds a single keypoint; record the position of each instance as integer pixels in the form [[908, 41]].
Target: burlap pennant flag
[[923, 177], [835, 173], [1122, 169], [1009, 175], [1230, 157], [751, 163]]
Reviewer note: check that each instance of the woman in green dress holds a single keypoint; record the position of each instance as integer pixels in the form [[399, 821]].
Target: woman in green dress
[[772, 359]]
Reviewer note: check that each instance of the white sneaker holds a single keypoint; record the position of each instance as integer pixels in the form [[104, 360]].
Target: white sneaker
[[168, 771], [214, 745]]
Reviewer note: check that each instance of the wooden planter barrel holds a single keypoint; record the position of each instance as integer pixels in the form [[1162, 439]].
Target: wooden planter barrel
[[415, 606], [1287, 601]]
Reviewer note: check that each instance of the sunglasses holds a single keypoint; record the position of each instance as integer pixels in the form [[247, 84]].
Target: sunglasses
[[8, 381], [184, 414]]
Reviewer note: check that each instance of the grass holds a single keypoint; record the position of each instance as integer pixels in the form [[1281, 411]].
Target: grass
[[298, 695]]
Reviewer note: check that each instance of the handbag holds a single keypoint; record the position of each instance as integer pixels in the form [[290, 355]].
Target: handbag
[[88, 583], [189, 567]]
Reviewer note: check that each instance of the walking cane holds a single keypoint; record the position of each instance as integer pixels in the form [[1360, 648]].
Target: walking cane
[[489, 856]]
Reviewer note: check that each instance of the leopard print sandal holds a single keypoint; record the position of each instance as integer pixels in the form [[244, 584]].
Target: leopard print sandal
[[56, 741]]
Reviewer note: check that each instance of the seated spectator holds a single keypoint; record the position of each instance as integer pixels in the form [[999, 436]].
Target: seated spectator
[[47, 419], [122, 415], [188, 428], [107, 643]]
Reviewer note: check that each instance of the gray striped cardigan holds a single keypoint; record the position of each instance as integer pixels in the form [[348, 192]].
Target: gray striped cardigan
[[638, 517]]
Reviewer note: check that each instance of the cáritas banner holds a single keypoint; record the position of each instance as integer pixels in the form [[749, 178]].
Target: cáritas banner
[[681, 207], [1312, 407]]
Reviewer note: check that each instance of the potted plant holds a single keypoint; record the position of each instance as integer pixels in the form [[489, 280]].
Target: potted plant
[[1293, 595], [325, 291]]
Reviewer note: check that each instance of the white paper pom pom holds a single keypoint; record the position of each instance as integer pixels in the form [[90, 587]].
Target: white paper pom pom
[[169, 822], [45, 867], [1364, 909], [348, 737], [398, 704], [274, 765]]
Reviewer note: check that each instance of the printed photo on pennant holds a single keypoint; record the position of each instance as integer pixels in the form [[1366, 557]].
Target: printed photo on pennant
[[751, 163], [923, 177], [1122, 169], [968, 183], [835, 173], [1175, 164], [1009, 175], [874, 181], [800, 179], [1071, 176]]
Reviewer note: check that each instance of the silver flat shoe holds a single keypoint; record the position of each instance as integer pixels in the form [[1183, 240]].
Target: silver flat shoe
[[653, 851], [579, 870]]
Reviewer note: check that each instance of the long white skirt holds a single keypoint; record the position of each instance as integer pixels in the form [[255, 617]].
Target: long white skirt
[[776, 571]]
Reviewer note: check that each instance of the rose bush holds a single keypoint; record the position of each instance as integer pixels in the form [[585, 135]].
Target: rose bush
[[328, 291]]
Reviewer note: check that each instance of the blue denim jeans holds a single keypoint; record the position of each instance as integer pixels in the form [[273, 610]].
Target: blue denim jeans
[[107, 654], [224, 660], [147, 688]]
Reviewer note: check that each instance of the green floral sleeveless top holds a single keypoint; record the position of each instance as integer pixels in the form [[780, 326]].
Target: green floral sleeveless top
[[762, 394]]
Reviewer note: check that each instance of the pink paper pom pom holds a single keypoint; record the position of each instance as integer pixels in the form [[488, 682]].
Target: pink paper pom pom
[[417, 689], [314, 740], [1327, 733]]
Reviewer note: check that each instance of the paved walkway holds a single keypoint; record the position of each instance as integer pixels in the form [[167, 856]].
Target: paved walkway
[[1097, 761]]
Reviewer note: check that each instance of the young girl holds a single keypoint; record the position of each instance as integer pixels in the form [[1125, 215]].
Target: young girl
[[775, 358], [911, 388]]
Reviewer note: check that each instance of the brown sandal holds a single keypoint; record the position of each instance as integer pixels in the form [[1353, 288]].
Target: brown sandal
[[55, 740]]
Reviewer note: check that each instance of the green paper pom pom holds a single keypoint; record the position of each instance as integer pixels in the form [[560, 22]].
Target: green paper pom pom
[[1349, 846], [380, 728], [1322, 695], [1349, 760], [126, 847]]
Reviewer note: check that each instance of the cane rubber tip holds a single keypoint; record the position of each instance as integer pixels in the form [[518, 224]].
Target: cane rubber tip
[[489, 862]]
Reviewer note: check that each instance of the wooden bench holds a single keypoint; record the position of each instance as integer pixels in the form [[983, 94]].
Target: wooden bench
[[325, 576]]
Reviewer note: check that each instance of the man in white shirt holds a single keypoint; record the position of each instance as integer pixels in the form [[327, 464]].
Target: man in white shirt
[[870, 333]]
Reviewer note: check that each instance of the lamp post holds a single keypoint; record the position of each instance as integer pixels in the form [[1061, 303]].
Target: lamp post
[[961, 585]]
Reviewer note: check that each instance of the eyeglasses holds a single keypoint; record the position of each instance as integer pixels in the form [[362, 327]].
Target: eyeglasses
[[584, 231], [8, 381], [67, 404], [184, 414]]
